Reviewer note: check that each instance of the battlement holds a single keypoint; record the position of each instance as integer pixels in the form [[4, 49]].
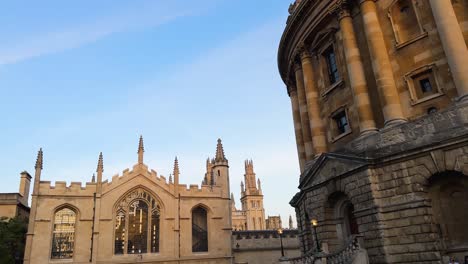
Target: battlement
[[197, 190], [61, 188]]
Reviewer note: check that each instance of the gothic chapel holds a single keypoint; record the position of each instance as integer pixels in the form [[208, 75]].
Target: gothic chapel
[[138, 216]]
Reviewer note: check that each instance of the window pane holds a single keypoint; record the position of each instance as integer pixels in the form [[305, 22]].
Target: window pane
[[155, 231], [137, 227], [199, 230], [63, 237], [426, 86], [331, 65], [341, 122]]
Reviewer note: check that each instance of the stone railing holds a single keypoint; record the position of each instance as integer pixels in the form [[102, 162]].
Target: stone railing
[[346, 255]]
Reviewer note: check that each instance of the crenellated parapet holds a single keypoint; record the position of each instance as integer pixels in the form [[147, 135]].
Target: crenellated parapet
[[60, 188]]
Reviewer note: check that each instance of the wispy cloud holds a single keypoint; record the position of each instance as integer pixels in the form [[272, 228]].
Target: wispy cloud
[[76, 36]]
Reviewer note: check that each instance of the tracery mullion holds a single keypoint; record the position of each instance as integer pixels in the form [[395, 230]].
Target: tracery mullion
[[127, 220], [149, 229]]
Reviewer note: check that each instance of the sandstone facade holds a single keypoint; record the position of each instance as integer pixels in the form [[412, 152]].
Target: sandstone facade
[[378, 93], [138, 216]]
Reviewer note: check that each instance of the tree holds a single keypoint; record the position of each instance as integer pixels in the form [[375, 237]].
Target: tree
[[12, 239]]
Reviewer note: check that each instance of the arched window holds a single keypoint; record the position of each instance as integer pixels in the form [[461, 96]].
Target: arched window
[[199, 230], [137, 224], [63, 236], [405, 21]]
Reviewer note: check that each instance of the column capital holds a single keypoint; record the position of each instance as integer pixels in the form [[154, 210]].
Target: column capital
[[341, 9], [363, 1], [292, 91], [302, 51], [297, 66]]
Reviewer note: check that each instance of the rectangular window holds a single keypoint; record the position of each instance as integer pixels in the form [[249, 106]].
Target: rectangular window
[[330, 58], [425, 85], [341, 122]]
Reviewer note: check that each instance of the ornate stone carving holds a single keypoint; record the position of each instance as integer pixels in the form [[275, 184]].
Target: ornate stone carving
[[341, 9]]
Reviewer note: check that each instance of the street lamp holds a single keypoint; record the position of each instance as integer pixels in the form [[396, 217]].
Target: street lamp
[[280, 232], [314, 223]]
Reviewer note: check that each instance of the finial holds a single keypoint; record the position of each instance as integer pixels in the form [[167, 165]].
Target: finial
[[141, 149], [39, 160], [93, 179], [242, 186], [259, 184], [220, 152], [100, 165], [170, 178], [232, 196], [176, 171], [176, 166]]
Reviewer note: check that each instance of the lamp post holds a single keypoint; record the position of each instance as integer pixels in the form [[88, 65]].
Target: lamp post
[[280, 232], [314, 223]]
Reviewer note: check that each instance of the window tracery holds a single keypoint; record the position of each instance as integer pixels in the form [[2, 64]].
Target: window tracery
[[63, 236], [137, 226]]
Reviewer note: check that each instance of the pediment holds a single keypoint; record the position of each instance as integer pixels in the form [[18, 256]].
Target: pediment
[[328, 166]]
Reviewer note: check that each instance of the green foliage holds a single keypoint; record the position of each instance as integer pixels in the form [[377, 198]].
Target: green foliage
[[12, 239]]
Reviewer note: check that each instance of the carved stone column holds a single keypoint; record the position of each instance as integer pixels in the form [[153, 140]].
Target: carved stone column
[[297, 126], [386, 86], [355, 68], [453, 43], [301, 96], [317, 127]]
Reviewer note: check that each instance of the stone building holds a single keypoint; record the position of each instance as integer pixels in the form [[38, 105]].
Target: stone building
[[273, 223], [16, 204], [138, 216], [251, 215], [378, 91]]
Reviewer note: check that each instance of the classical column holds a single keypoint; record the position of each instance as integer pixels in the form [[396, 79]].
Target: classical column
[[453, 43], [297, 126], [386, 86], [301, 97], [317, 127], [355, 68]]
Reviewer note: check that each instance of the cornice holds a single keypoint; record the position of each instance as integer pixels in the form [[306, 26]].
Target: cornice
[[297, 23]]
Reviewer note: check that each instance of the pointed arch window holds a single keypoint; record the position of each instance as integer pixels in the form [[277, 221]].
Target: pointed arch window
[[199, 230], [63, 236], [137, 224]]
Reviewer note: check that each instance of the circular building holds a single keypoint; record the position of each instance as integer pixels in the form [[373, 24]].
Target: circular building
[[378, 93]]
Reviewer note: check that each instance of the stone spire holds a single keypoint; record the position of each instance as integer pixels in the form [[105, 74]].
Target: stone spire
[[220, 152], [99, 170], [249, 177], [141, 149], [100, 166], [290, 222], [242, 186], [39, 160], [37, 175], [176, 171], [248, 166], [93, 179], [233, 202], [259, 184], [170, 178]]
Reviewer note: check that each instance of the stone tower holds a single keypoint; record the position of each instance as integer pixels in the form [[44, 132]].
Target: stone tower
[[252, 199]]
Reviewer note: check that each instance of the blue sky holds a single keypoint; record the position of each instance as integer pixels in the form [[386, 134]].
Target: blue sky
[[80, 77]]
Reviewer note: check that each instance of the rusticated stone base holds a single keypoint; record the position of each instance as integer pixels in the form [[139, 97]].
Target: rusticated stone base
[[407, 188]]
